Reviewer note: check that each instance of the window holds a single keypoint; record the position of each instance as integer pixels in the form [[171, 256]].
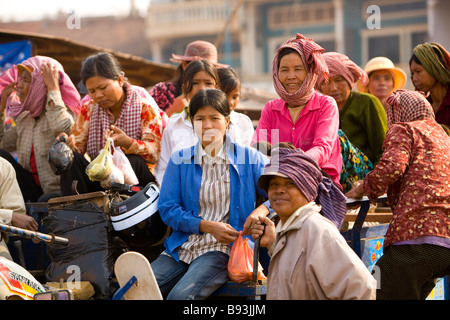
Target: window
[[418, 38], [386, 46]]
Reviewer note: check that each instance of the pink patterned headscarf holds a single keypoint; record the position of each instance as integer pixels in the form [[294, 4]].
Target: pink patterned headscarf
[[37, 95], [340, 65], [311, 54], [405, 105]]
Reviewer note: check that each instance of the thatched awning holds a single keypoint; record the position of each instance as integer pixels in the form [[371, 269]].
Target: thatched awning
[[70, 54]]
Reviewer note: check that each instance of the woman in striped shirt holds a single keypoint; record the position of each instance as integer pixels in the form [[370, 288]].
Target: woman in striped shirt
[[207, 194]]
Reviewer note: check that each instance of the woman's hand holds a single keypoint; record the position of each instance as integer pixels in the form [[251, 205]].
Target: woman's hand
[[223, 232], [120, 138], [50, 74], [10, 88], [70, 140], [266, 228], [261, 211], [356, 192]]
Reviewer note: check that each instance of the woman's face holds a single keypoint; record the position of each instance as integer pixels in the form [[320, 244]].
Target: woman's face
[[381, 84], [338, 88], [285, 198], [292, 72], [105, 92], [233, 98], [421, 79], [200, 81], [23, 85], [210, 126]]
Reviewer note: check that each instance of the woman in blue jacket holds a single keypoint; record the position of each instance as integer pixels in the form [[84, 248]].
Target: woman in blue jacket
[[208, 192]]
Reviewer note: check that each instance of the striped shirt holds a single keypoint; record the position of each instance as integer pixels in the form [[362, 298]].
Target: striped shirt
[[214, 205]]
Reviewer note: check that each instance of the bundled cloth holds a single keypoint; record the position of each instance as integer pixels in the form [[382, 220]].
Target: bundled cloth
[[307, 176], [340, 65]]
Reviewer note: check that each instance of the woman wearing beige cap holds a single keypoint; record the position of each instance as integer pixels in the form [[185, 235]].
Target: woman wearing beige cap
[[168, 95], [384, 78]]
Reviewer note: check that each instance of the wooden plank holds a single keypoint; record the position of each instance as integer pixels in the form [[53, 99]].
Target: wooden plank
[[382, 217]]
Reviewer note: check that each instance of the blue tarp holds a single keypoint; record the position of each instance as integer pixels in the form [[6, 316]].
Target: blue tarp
[[13, 53]]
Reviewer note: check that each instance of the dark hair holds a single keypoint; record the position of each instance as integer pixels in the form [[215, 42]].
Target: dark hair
[[284, 52], [209, 98], [101, 64], [229, 80], [415, 59], [197, 66]]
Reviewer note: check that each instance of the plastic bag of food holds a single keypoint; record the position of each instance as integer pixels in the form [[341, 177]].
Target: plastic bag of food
[[121, 161], [116, 175], [100, 168]]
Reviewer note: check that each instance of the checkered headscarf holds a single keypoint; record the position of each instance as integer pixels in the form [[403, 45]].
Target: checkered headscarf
[[308, 178], [311, 54], [340, 65], [129, 121], [405, 105]]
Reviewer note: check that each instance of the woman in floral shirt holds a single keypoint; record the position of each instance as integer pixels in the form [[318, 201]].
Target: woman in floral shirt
[[118, 111], [414, 171]]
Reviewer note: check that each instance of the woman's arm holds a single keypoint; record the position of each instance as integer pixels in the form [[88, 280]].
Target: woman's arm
[[326, 132], [149, 147], [392, 165], [170, 204], [58, 116]]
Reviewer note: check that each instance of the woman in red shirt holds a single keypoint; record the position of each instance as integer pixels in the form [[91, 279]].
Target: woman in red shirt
[[414, 172]]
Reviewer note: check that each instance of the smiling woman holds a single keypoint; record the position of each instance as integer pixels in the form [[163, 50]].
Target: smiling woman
[[307, 119]]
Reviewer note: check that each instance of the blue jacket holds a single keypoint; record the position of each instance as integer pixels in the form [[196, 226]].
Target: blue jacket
[[178, 203]]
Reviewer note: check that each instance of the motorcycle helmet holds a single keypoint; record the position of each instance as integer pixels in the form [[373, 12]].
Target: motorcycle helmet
[[137, 220]]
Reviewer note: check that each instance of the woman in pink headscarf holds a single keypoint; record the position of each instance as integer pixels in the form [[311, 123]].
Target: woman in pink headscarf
[[362, 124], [43, 102], [414, 172], [307, 119]]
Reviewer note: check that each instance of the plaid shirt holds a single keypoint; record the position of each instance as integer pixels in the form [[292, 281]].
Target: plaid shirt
[[40, 133]]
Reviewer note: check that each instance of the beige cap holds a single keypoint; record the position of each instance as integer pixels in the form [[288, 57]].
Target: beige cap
[[382, 63]]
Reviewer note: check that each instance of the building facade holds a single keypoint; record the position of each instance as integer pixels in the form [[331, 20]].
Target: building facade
[[248, 32]]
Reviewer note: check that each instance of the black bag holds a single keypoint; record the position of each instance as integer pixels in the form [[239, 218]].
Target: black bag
[[92, 249]]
